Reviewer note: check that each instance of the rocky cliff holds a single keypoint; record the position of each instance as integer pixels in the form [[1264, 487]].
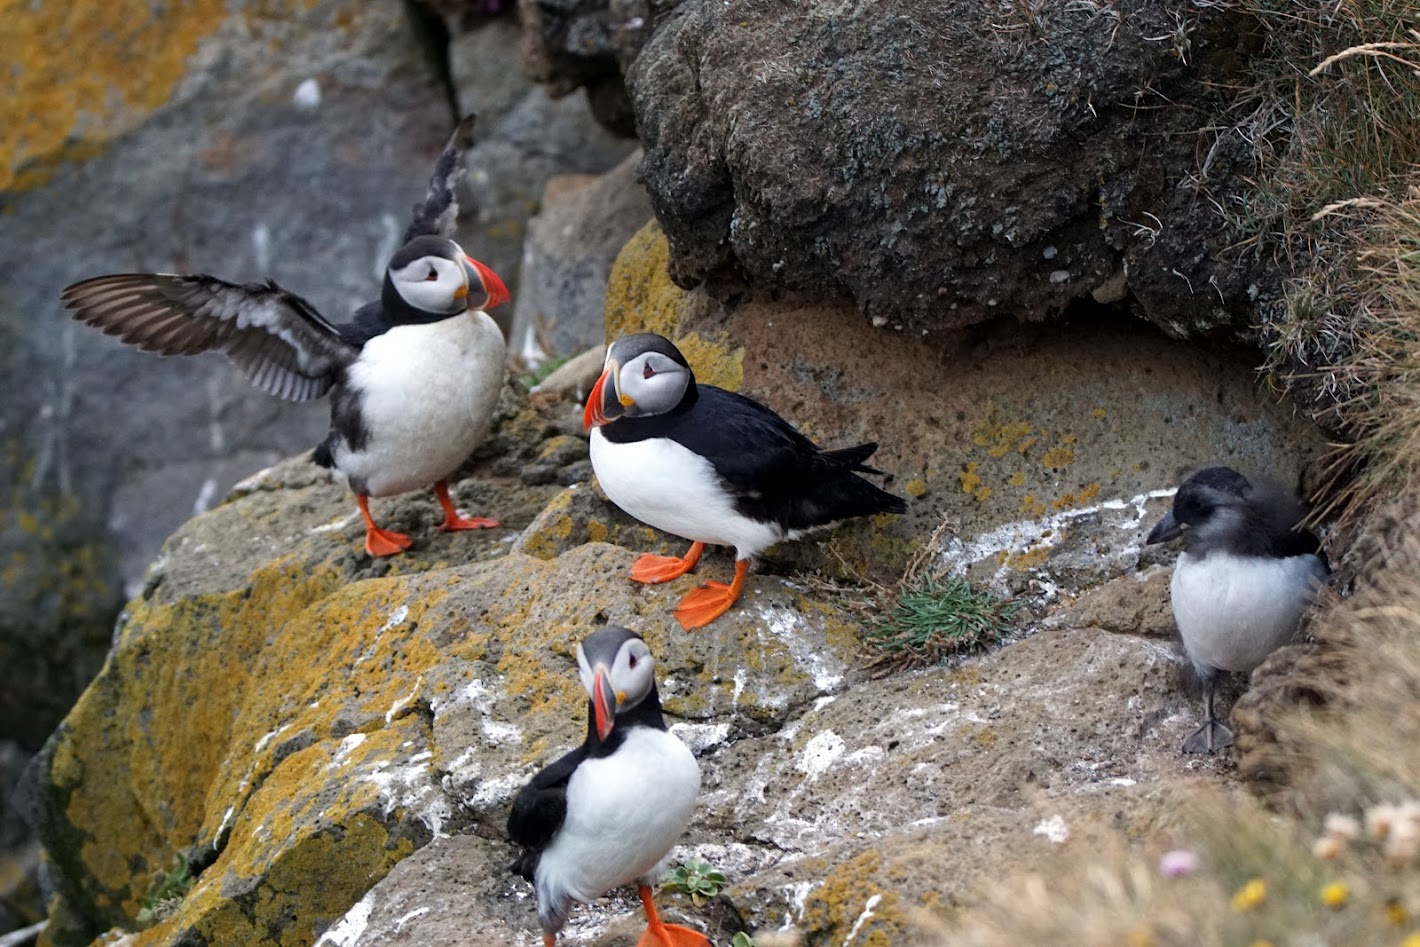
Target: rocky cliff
[[978, 239]]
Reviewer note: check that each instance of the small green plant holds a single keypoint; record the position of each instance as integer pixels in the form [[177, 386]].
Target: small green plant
[[546, 367], [697, 878], [166, 894], [934, 618], [742, 940]]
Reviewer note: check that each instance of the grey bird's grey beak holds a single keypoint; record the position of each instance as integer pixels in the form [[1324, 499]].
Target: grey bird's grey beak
[[1166, 529]]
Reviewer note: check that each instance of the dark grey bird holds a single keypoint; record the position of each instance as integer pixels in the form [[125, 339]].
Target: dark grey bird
[[413, 378], [1247, 572]]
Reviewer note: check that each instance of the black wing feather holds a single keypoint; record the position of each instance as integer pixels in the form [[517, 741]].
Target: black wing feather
[[439, 210], [775, 473], [277, 339], [539, 810]]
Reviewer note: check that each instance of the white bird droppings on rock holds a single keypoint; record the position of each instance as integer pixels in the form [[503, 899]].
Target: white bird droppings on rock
[[307, 95], [821, 752], [349, 929], [1053, 828]]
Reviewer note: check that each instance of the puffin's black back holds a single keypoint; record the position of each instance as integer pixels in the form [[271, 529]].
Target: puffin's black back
[[775, 473], [541, 806]]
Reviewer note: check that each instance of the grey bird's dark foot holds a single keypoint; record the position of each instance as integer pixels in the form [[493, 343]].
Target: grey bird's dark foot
[[1213, 735]]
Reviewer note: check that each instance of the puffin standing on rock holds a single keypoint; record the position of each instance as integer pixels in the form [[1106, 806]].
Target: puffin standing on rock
[[713, 467], [1247, 572], [414, 378], [606, 814]]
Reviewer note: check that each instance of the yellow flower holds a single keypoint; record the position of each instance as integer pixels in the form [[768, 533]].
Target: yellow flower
[[1250, 895], [1261, 943], [1412, 941], [1335, 894]]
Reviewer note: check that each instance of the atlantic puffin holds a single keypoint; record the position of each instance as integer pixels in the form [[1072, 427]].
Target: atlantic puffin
[[606, 814], [713, 467], [1247, 572], [414, 377]]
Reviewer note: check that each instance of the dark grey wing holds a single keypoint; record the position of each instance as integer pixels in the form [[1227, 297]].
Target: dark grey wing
[[276, 338], [439, 210]]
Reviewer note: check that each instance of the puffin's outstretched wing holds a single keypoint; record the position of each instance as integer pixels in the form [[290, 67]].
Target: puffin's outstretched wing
[[439, 210], [276, 338]]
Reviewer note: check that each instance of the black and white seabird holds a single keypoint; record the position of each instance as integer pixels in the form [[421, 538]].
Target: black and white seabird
[[606, 814], [414, 377], [713, 467], [1247, 572]]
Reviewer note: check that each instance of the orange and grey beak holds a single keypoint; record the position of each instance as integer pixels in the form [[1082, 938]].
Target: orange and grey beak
[[497, 293], [603, 703], [605, 404]]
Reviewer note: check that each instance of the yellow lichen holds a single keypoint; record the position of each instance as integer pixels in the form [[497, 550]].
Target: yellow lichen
[[970, 479], [916, 487], [1058, 457]]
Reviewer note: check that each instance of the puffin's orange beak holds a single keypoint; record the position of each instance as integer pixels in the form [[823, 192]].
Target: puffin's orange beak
[[603, 704], [604, 404], [497, 293]]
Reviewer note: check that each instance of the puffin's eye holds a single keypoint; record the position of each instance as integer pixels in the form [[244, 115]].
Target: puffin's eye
[[648, 371], [632, 663], [433, 275]]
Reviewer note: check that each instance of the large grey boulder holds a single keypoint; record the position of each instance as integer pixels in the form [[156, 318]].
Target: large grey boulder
[[938, 164]]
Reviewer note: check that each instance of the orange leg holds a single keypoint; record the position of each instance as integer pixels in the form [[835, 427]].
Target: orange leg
[[452, 520], [711, 600], [660, 934], [653, 568], [549, 940], [380, 542]]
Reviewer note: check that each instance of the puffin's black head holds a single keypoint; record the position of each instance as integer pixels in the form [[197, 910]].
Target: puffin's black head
[[432, 276], [647, 376], [1210, 499], [617, 673]]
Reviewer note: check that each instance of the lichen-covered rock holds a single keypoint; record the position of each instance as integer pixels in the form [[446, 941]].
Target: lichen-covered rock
[[1016, 159], [294, 719]]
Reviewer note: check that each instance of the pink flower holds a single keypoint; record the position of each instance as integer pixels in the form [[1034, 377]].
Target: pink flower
[[1177, 863]]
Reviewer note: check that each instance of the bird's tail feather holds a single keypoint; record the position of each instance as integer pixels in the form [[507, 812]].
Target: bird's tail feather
[[852, 457]]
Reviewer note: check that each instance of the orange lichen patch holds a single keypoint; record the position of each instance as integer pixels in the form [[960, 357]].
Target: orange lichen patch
[[1000, 438], [970, 479], [1058, 457], [1029, 559], [81, 73], [844, 898], [641, 297], [1031, 506], [1079, 498], [164, 736]]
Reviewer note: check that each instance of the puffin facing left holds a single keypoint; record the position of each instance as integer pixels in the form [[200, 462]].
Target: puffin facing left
[[414, 377], [606, 814]]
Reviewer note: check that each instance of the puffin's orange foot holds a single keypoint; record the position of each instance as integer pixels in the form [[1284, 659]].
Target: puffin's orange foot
[[711, 600], [705, 604], [672, 935], [384, 542], [456, 522], [452, 520], [651, 568]]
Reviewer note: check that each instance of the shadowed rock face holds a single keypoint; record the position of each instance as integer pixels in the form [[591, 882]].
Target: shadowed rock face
[[942, 164]]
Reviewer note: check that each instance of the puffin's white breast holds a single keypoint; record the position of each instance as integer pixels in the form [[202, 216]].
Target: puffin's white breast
[[427, 398], [1233, 611], [624, 813], [674, 489]]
